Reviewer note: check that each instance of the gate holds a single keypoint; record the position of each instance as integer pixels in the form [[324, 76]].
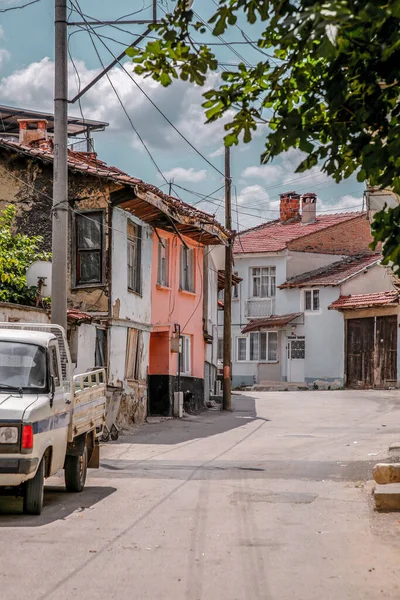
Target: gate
[[371, 352]]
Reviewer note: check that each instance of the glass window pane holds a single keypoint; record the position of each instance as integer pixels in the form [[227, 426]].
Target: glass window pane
[[316, 300], [254, 346], [273, 345], [89, 230], [263, 346], [89, 267], [242, 348], [308, 300]]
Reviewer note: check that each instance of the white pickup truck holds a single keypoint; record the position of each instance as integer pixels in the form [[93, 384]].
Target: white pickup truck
[[49, 419]]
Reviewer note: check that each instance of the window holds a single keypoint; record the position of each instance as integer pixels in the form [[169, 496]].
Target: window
[[132, 368], [100, 350], [185, 355], [311, 300], [54, 370], [241, 348], [235, 294], [220, 350], [297, 349], [162, 276], [134, 257], [89, 245], [187, 269], [264, 346], [263, 282]]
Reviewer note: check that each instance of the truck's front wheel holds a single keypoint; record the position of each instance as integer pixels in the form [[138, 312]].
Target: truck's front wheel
[[33, 492], [75, 472]]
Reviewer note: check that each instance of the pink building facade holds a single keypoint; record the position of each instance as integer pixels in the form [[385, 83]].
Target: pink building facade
[[177, 345]]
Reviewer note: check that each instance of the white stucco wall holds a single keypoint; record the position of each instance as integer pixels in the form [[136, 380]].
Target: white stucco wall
[[86, 346], [301, 262], [376, 279], [212, 310], [128, 305]]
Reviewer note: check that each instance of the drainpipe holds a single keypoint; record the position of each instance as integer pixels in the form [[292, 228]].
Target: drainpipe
[[179, 358]]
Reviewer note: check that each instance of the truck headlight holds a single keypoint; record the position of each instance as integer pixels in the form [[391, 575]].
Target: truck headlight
[[8, 435]]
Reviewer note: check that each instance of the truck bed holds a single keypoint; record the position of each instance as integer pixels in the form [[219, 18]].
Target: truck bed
[[88, 403]]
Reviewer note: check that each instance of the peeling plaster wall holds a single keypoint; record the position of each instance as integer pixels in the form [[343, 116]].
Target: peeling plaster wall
[[86, 347], [126, 304]]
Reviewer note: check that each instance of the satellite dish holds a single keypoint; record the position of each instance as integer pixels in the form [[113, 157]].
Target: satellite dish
[[39, 273]]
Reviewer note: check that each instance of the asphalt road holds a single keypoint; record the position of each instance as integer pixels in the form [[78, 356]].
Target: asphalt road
[[271, 502]]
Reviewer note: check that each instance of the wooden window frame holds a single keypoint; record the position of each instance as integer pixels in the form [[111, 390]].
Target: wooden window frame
[[313, 293], [186, 262], [83, 214], [134, 245], [264, 272], [133, 347], [163, 277]]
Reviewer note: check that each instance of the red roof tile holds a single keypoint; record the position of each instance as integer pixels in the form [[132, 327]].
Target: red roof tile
[[275, 236], [358, 301], [77, 315], [87, 163], [335, 273], [269, 322]]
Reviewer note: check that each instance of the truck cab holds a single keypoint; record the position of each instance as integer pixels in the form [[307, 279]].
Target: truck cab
[[49, 420]]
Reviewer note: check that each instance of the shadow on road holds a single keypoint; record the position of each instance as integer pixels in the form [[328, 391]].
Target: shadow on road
[[58, 504], [204, 425]]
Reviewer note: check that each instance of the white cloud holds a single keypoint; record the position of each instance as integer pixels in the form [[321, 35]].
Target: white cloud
[[4, 56], [32, 87], [1, 32], [269, 173], [181, 174], [346, 203], [219, 152]]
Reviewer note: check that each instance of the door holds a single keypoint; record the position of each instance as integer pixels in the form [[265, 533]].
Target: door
[[58, 423], [386, 349], [360, 353], [296, 349], [371, 352]]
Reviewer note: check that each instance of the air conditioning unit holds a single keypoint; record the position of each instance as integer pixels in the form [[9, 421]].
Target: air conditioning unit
[[178, 404]]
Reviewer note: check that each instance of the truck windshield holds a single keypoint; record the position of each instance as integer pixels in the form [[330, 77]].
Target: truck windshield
[[22, 366]]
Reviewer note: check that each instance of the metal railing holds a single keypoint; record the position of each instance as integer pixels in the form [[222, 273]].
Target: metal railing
[[259, 307], [89, 380]]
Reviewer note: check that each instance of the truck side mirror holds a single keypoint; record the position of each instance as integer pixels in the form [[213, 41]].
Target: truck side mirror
[[52, 389]]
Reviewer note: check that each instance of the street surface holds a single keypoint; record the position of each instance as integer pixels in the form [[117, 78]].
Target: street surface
[[271, 502]]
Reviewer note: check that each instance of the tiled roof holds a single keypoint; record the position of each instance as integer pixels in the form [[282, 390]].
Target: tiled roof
[[358, 301], [221, 279], [269, 322], [77, 315], [87, 163], [275, 236], [335, 273]]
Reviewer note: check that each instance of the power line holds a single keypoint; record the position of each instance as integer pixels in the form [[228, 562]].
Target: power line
[[4, 10], [122, 104], [154, 104]]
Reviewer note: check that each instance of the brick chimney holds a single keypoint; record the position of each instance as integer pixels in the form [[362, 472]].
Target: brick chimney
[[289, 207], [309, 208], [31, 130]]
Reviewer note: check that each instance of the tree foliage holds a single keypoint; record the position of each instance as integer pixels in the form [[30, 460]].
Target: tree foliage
[[327, 81], [17, 253]]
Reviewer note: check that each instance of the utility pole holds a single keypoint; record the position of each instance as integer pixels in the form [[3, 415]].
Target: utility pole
[[227, 392], [60, 219], [60, 172]]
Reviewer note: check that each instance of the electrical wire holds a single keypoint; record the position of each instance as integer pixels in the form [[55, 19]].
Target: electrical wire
[[152, 102], [4, 10]]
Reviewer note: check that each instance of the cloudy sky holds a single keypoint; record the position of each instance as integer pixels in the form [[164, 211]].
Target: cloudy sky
[[26, 80]]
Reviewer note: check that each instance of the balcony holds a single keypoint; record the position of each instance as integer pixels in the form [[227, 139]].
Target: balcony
[[259, 307]]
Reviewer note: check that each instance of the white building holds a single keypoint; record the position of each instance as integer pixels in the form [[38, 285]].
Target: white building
[[293, 269]]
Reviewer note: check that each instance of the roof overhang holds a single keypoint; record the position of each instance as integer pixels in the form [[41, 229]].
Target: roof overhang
[[165, 214], [221, 280], [274, 322], [363, 301]]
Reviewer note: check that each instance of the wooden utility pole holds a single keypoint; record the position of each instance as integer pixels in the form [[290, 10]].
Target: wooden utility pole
[[60, 218], [227, 392]]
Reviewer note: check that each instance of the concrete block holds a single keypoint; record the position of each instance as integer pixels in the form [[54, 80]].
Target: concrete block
[[387, 473], [387, 497]]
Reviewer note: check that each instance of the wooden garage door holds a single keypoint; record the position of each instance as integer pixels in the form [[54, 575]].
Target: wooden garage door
[[371, 352], [360, 353]]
